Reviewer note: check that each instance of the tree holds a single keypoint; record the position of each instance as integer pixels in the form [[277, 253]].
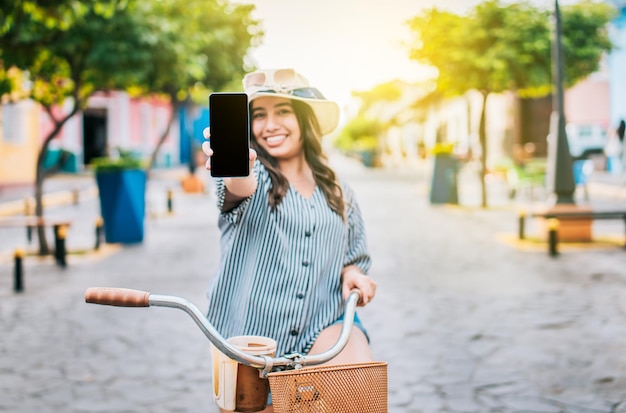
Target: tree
[[71, 48], [506, 47], [202, 47], [361, 134]]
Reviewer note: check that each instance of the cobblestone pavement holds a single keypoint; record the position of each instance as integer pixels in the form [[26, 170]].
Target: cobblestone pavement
[[469, 319]]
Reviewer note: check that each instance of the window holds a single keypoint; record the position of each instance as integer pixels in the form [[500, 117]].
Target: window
[[12, 116]]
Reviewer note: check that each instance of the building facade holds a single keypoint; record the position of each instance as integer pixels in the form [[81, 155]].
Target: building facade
[[617, 64], [111, 120]]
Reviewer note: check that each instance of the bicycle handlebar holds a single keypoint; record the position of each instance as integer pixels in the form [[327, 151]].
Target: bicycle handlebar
[[124, 297], [119, 297]]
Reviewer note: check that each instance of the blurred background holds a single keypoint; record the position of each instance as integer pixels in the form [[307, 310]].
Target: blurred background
[[81, 80]]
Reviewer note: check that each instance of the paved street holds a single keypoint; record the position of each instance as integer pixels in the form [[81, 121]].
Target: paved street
[[469, 319]]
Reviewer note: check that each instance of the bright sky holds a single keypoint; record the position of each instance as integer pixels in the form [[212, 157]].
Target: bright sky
[[343, 45]]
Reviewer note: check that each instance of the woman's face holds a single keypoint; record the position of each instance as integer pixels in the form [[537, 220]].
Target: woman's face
[[275, 127]]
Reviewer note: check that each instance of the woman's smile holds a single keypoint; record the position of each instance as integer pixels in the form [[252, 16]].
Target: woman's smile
[[276, 140]]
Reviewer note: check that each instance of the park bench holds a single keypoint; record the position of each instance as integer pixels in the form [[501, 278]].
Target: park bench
[[609, 214], [59, 227]]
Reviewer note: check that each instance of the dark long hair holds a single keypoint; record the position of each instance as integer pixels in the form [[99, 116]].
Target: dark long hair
[[324, 176]]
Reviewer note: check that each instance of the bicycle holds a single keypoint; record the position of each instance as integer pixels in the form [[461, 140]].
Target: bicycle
[[297, 382]]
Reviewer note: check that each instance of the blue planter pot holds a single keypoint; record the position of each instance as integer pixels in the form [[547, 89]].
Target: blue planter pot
[[122, 204], [368, 157], [443, 188]]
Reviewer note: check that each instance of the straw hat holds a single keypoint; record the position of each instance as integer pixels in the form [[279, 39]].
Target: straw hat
[[289, 84]]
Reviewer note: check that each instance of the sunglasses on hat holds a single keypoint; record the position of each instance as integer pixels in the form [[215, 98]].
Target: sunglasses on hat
[[280, 81]]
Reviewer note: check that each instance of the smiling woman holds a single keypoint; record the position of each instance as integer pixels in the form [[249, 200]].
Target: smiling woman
[[289, 280]]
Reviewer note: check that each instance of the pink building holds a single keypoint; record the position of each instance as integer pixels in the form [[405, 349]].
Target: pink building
[[111, 120], [588, 101], [115, 119]]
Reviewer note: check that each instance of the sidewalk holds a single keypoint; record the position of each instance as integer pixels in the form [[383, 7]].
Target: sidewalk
[[467, 322], [63, 188]]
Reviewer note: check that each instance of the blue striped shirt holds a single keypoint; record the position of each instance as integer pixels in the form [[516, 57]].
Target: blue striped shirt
[[280, 271]]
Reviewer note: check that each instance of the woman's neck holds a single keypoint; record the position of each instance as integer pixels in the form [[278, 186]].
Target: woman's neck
[[294, 167], [299, 174]]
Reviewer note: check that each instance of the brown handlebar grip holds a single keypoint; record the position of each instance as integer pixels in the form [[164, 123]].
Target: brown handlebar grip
[[119, 297]]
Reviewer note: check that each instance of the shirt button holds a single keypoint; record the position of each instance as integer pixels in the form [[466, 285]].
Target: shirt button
[[294, 332], [307, 234], [300, 296], [305, 263]]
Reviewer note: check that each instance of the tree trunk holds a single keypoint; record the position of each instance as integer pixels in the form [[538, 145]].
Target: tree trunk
[[41, 175], [482, 136], [175, 108]]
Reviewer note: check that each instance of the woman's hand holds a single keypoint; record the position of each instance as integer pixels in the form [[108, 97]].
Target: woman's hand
[[237, 189], [206, 148], [352, 277]]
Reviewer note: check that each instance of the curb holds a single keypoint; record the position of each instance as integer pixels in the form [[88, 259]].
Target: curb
[[18, 207]]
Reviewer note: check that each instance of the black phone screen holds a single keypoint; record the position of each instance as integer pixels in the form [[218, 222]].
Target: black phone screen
[[230, 134]]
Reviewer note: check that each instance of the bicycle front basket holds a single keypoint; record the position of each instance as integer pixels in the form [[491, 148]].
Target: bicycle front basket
[[344, 388]]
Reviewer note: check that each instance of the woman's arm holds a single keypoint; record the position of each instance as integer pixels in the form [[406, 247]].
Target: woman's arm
[[357, 260], [238, 189]]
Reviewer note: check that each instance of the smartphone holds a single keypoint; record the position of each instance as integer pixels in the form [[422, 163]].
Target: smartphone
[[230, 134]]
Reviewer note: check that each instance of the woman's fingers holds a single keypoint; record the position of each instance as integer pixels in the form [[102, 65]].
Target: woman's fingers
[[206, 148], [368, 290], [362, 282]]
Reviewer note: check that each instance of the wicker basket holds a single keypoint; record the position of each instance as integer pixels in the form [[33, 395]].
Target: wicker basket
[[345, 388]]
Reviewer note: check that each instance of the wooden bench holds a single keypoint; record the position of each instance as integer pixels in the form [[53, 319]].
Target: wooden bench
[[59, 227], [567, 215]]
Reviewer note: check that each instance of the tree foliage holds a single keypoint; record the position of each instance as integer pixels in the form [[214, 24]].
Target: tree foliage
[[387, 92], [359, 133], [500, 47], [201, 47], [585, 38]]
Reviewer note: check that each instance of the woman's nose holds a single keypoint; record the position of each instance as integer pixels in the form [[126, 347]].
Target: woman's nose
[[272, 122]]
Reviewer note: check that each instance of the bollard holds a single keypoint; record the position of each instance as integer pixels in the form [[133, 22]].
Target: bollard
[[521, 224], [75, 196], [553, 236], [18, 272], [169, 201], [29, 233], [625, 225], [60, 253], [28, 207], [99, 224]]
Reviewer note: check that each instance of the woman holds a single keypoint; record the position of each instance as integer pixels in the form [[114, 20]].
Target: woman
[[293, 240]]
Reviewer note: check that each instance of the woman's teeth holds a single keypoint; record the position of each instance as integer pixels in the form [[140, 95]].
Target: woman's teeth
[[275, 139]]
